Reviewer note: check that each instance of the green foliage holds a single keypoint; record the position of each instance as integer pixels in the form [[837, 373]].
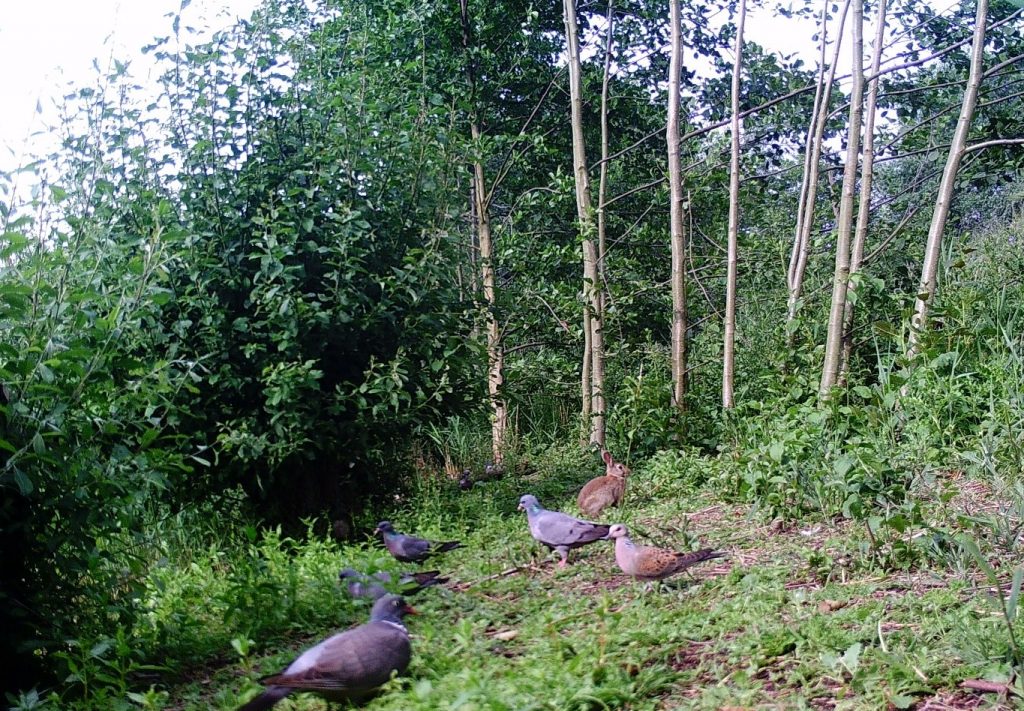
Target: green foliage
[[259, 298], [459, 444], [91, 396], [671, 469], [642, 417], [321, 285]]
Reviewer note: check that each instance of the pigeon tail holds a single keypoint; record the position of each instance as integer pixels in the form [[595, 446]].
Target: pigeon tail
[[426, 578], [700, 556], [267, 699], [447, 546]]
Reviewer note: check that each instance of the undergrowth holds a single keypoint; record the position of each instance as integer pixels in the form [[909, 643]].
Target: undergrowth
[[816, 610], [873, 546]]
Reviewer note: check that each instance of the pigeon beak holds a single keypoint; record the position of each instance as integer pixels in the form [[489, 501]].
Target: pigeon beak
[[520, 507], [409, 610]]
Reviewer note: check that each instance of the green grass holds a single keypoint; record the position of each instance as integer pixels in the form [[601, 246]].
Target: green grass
[[797, 616], [792, 619]]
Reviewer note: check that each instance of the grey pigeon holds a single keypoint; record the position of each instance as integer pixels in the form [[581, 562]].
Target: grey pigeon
[[465, 482], [409, 549], [558, 531], [350, 665], [650, 562], [374, 587]]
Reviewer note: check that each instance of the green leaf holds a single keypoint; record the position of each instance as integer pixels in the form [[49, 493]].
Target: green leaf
[[902, 701], [972, 549], [147, 437], [11, 243], [24, 483], [851, 657], [1011, 605], [843, 465]]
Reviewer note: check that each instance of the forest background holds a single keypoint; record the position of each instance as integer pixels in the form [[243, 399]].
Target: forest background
[[355, 248]]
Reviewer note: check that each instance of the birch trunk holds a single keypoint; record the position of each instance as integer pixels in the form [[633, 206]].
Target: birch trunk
[[592, 296], [677, 233], [841, 279], [602, 183], [482, 223], [866, 179], [933, 247], [808, 146], [805, 211], [728, 350]]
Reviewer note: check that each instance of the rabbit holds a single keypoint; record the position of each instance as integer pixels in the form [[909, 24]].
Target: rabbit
[[603, 491]]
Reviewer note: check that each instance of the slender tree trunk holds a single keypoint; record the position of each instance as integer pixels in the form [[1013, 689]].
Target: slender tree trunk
[[805, 211], [591, 278], [586, 378], [864, 206], [819, 88], [728, 350], [933, 247], [841, 279], [495, 348], [602, 186], [602, 183], [677, 231]]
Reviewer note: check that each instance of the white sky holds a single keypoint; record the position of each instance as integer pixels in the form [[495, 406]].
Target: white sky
[[45, 45]]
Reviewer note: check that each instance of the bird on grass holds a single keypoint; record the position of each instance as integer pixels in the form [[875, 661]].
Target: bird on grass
[[410, 549], [374, 587], [465, 480], [651, 563], [349, 666], [558, 531]]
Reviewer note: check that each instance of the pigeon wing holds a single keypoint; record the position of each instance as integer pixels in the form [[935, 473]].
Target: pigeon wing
[[559, 529], [410, 547], [354, 661]]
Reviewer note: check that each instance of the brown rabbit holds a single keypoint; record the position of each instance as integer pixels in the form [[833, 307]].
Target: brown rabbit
[[603, 491]]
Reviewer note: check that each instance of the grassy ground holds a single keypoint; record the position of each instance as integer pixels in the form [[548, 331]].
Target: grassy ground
[[797, 617]]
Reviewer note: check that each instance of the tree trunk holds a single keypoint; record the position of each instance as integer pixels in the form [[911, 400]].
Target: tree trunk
[[592, 296], [602, 183], [728, 350], [805, 210], [841, 279], [677, 233], [933, 248], [495, 348], [819, 88], [602, 186], [864, 207]]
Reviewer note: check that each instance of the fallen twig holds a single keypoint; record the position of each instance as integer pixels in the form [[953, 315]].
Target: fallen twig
[[993, 687]]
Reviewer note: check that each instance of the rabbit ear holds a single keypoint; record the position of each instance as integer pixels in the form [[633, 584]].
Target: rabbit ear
[[607, 457]]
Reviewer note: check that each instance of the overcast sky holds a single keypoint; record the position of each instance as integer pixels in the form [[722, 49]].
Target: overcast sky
[[45, 45]]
